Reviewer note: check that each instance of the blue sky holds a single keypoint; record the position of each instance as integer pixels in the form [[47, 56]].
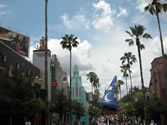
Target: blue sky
[[100, 26]]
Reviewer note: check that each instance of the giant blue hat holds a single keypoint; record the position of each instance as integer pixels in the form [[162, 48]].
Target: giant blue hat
[[108, 100]]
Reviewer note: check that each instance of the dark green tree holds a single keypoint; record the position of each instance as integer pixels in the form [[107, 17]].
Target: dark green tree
[[16, 96], [61, 106], [77, 109], [136, 33], [94, 111], [133, 103], [154, 109]]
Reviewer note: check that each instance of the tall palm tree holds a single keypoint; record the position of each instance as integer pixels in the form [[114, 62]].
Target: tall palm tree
[[46, 61], [128, 59], [94, 80], [154, 8], [124, 70], [68, 42], [137, 32], [120, 82]]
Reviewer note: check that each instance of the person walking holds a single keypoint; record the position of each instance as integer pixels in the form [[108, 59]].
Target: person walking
[[152, 122], [28, 123]]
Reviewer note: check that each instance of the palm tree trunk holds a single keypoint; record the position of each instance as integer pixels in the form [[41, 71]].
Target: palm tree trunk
[[130, 80], [162, 47], [140, 63], [92, 88], [120, 91], [46, 62], [160, 33], [126, 85], [70, 90]]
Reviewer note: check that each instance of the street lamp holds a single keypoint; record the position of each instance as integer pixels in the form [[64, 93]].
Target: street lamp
[[37, 84]]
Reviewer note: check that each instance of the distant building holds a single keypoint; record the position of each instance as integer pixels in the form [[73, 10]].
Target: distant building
[[158, 86], [158, 82], [59, 77], [39, 61], [79, 94]]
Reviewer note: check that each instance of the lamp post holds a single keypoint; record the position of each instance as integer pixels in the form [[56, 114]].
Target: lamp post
[[37, 84]]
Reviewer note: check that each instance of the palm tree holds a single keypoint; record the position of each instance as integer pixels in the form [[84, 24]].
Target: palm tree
[[120, 82], [129, 59], [68, 42], [137, 32], [46, 61], [154, 8], [124, 70], [94, 80]]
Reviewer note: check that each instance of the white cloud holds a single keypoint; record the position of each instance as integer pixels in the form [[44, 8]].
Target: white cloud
[[3, 6], [140, 19], [141, 4], [76, 22], [104, 6], [102, 21], [80, 55], [2, 11], [101, 18], [123, 12]]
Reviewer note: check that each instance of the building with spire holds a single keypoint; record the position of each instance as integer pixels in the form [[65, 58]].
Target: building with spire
[[78, 93]]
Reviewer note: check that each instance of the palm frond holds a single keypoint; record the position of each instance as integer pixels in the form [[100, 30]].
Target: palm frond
[[146, 8], [150, 8], [164, 7], [133, 30], [129, 33], [133, 57], [142, 46], [146, 35], [159, 7], [69, 41], [120, 82], [139, 29], [130, 42]]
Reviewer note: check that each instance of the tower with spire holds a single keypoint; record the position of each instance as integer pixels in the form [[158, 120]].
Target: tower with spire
[[78, 93]]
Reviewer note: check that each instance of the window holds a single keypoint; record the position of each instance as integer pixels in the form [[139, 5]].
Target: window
[[28, 72], [73, 91], [3, 58], [17, 66], [79, 91], [76, 91]]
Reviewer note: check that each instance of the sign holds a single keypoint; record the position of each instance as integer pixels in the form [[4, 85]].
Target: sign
[[54, 83], [16, 41]]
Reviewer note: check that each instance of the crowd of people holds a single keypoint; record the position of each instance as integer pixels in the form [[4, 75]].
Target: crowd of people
[[116, 120]]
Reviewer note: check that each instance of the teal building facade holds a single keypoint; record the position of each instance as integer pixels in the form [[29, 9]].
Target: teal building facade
[[78, 93]]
